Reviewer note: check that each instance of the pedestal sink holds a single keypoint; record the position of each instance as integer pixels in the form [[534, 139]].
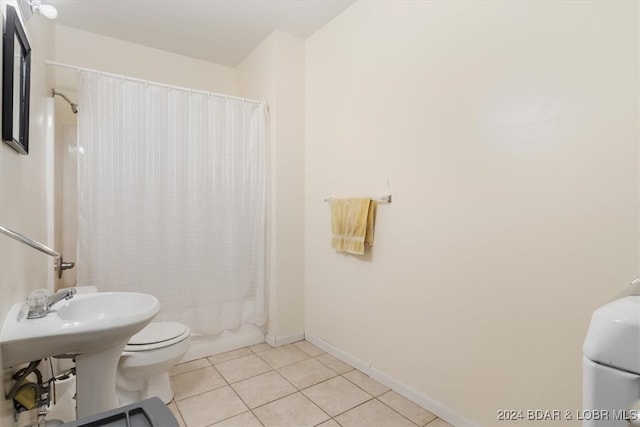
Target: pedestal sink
[[92, 328]]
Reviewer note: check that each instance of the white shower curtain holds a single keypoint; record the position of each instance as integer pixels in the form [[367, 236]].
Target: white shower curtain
[[171, 198]]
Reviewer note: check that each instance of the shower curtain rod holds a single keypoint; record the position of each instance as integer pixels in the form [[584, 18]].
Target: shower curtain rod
[[151, 82]]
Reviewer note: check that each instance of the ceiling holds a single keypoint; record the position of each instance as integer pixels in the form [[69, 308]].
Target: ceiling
[[220, 31]]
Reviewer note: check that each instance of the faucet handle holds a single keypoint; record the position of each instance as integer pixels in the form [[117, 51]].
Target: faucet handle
[[38, 303]]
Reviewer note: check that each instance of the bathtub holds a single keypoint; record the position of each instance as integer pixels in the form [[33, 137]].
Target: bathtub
[[209, 345]]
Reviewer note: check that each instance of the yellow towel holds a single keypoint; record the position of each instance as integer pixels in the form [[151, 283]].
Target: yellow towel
[[352, 224]]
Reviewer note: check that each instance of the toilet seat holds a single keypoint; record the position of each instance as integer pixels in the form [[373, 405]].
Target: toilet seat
[[158, 335]]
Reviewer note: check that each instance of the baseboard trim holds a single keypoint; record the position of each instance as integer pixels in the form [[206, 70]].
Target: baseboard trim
[[280, 341], [410, 393]]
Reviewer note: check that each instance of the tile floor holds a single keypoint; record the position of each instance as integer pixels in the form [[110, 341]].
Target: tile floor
[[296, 385]]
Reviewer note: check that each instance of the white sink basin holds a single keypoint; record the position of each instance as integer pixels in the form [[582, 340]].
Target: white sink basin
[[87, 323], [93, 328]]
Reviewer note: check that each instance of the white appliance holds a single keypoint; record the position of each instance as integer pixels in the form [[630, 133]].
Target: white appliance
[[611, 363]]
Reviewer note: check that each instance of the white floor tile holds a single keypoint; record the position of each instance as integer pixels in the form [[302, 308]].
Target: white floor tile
[[334, 363], [373, 413], [176, 413], [210, 407], [295, 410], [246, 419], [264, 392], [336, 395], [195, 382], [306, 373], [262, 389], [309, 348], [283, 356], [438, 422], [229, 355], [260, 347], [407, 408], [242, 368], [366, 383]]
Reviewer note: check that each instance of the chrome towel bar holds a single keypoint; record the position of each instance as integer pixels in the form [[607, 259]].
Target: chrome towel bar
[[60, 264], [380, 199]]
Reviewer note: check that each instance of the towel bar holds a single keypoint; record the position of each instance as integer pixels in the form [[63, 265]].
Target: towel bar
[[379, 199]]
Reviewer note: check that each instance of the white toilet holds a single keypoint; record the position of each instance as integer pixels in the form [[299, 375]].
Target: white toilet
[[143, 370]]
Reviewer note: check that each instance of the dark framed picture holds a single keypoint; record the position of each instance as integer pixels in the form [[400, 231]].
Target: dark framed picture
[[16, 74]]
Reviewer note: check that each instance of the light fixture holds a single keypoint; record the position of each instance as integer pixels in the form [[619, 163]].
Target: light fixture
[[45, 10]]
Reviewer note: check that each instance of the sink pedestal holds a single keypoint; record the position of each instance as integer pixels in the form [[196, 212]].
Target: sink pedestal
[[96, 380], [93, 328]]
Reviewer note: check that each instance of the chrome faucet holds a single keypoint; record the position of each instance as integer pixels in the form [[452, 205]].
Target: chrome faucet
[[37, 310], [66, 293]]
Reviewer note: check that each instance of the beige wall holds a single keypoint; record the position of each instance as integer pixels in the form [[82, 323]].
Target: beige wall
[[274, 72], [90, 50], [23, 198], [508, 133]]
